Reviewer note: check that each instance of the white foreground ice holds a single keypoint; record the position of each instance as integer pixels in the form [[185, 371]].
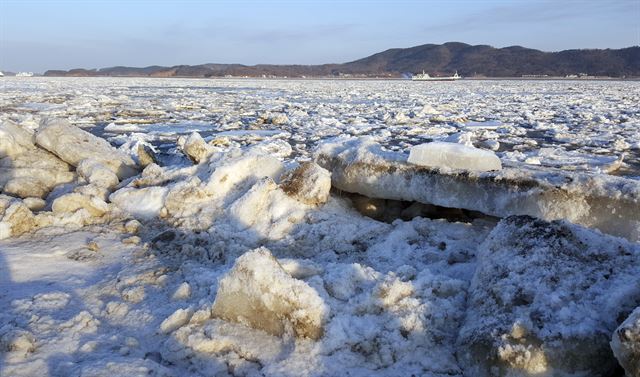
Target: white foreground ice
[[225, 252]]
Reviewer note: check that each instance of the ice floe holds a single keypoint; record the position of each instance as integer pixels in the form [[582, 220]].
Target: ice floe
[[611, 204]]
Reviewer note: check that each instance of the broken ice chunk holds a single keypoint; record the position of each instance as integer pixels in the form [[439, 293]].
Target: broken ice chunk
[[144, 203], [72, 145], [453, 156], [195, 147], [95, 172], [15, 217], [260, 293], [309, 183], [626, 344]]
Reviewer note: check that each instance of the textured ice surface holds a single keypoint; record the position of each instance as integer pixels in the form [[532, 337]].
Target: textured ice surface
[[596, 119], [545, 299], [453, 156]]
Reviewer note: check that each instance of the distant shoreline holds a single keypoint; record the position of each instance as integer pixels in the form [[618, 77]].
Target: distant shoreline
[[550, 78]]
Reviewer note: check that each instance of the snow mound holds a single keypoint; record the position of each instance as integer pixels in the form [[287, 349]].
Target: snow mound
[[453, 156], [626, 344], [73, 145], [544, 300], [260, 293]]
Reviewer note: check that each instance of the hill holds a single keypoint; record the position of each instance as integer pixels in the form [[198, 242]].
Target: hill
[[468, 60]]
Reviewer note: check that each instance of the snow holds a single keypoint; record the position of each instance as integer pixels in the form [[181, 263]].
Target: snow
[[453, 156], [243, 248]]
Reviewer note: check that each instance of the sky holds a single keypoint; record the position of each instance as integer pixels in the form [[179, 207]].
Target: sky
[[48, 34]]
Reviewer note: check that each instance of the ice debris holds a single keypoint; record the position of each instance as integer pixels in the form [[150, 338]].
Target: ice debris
[[72, 202], [444, 155], [545, 299], [97, 173], [260, 293], [625, 344]]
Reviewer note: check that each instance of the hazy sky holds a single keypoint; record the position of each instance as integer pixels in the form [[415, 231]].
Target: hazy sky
[[47, 34]]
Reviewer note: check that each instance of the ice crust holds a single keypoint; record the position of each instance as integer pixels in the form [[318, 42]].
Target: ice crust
[[100, 277], [453, 156]]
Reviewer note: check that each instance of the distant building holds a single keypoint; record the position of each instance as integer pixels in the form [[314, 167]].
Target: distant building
[[24, 74]]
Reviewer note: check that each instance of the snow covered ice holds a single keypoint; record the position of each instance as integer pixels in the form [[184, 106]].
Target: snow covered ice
[[318, 228]]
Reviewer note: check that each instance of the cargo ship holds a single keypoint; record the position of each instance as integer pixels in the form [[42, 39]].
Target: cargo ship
[[425, 77]]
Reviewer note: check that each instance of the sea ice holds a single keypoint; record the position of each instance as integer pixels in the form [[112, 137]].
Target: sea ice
[[97, 173], [15, 217], [308, 183], [259, 293], [103, 301], [610, 204], [195, 147], [625, 344], [544, 300], [453, 156], [26, 170], [73, 145]]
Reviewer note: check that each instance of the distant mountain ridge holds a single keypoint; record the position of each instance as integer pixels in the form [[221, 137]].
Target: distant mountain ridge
[[467, 60]]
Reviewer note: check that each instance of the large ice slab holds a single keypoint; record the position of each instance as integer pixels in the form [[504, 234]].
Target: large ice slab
[[453, 156], [610, 204], [73, 145]]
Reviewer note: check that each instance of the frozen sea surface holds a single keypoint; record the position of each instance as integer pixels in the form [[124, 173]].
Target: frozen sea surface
[[576, 125], [112, 275]]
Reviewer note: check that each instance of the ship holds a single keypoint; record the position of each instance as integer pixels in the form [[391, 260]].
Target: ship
[[1, 74], [425, 77]]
